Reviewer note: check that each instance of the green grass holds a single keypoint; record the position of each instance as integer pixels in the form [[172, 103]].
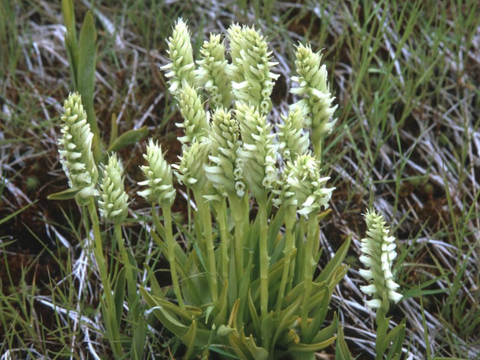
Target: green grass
[[406, 78]]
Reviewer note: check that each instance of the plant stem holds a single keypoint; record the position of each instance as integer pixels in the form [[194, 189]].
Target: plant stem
[[225, 237], [204, 213], [288, 250], [102, 268], [167, 215], [264, 260], [308, 268], [132, 286], [237, 209], [317, 150]]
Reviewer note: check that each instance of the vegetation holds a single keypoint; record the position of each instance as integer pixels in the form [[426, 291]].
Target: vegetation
[[405, 142]]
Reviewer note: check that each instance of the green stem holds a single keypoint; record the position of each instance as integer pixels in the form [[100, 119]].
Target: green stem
[[288, 250], [264, 260], [167, 215], [225, 236], [237, 209], [102, 268], [317, 149], [204, 213], [132, 286], [308, 268]]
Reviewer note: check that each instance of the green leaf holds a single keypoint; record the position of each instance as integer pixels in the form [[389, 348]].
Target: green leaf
[[335, 262], [328, 332], [64, 195], [312, 347], [189, 340], [71, 39], [317, 318], [129, 138], [284, 320], [396, 335], [86, 78], [341, 348]]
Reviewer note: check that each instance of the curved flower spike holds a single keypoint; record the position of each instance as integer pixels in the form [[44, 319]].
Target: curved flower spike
[[77, 156], [312, 83], [378, 250], [159, 177], [113, 204], [181, 68], [212, 73]]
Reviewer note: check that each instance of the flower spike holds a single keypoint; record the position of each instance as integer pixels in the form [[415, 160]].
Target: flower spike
[[378, 250], [77, 156]]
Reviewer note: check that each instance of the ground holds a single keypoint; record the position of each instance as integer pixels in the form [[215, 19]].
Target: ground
[[406, 79]]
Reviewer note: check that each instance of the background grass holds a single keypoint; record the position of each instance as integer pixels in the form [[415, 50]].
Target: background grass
[[406, 75]]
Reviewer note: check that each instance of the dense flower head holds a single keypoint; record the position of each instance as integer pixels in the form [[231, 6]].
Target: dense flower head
[[191, 170], [181, 68], [225, 172], [159, 177], [308, 186], [258, 151], [195, 119], [250, 68], [312, 83], [293, 141], [378, 250], [113, 203], [76, 154], [212, 72]]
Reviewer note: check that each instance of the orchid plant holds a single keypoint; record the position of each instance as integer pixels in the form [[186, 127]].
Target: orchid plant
[[247, 284]]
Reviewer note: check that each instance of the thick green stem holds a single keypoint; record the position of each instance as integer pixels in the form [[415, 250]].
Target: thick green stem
[[207, 233], [264, 260], [317, 149], [288, 250], [102, 268], [309, 264], [167, 215], [225, 237]]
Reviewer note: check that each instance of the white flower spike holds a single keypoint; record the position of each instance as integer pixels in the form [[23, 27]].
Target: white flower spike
[[378, 250]]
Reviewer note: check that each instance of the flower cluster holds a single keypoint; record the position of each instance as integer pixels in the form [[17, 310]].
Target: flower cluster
[[181, 68], [77, 156], [378, 250], [212, 72], [159, 177], [293, 141], [191, 171], [113, 203], [252, 80], [312, 83], [225, 171]]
